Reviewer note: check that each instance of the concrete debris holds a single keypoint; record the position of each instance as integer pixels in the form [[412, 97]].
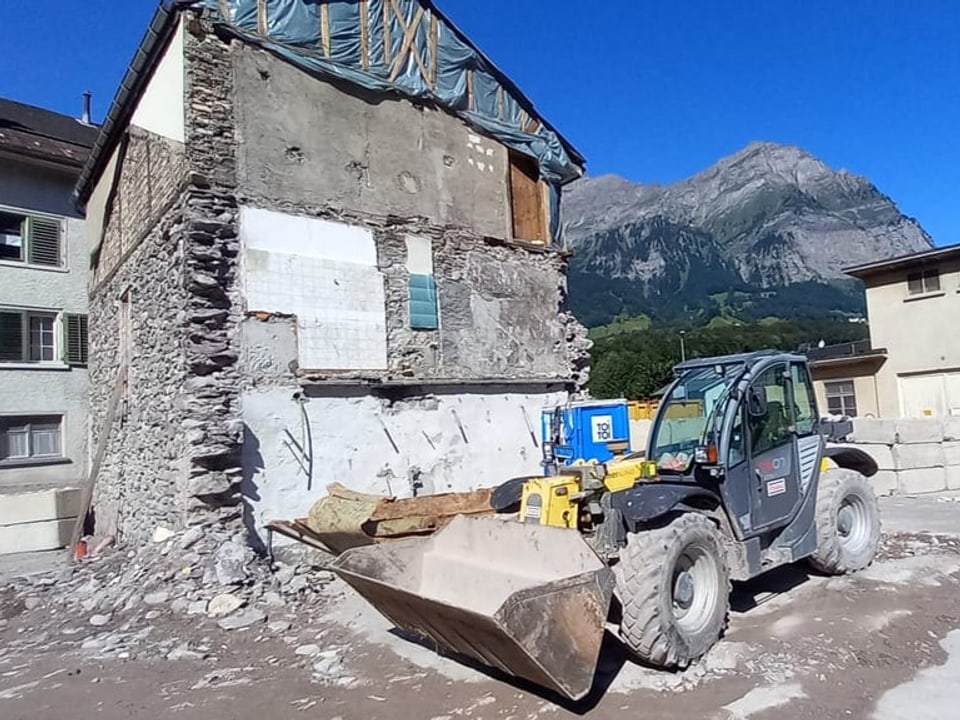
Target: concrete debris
[[223, 604], [99, 620], [309, 650], [279, 626], [162, 534], [183, 652], [31, 602], [329, 665], [230, 563], [190, 538], [243, 619], [156, 598]]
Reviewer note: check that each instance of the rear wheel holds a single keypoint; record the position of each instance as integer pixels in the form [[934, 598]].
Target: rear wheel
[[674, 591], [848, 522]]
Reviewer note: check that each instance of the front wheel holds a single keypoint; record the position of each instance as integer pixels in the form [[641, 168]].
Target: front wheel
[[674, 591], [848, 523]]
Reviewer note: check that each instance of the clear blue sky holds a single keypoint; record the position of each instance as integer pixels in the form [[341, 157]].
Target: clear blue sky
[[653, 91]]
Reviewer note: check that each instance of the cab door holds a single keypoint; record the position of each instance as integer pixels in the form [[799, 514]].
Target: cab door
[[772, 446]]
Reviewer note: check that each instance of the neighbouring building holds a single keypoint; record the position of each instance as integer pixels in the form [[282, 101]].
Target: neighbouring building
[[326, 248], [43, 317], [910, 367]]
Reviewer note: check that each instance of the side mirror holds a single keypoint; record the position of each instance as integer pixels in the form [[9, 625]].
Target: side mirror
[[757, 401]]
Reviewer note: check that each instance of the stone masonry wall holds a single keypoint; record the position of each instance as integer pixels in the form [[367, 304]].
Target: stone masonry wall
[[144, 458], [914, 455], [174, 452], [150, 181]]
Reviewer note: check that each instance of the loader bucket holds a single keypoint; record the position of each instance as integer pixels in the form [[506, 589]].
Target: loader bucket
[[528, 600]]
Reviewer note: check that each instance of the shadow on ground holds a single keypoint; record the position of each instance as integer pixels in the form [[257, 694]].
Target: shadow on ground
[[614, 655]]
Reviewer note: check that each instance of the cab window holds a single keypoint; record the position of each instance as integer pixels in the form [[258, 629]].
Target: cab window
[[804, 406], [737, 451], [772, 426]]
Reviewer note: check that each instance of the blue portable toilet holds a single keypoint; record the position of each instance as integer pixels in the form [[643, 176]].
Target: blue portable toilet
[[582, 430]]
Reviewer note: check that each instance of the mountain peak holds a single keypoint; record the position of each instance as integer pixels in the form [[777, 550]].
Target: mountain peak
[[770, 215]]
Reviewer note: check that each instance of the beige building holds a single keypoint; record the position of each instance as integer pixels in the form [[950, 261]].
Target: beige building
[[911, 365]]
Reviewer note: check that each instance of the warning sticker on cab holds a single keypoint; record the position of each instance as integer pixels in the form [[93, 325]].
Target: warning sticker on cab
[[776, 487]]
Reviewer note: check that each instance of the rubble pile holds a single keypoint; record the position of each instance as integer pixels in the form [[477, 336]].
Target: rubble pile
[[174, 597]]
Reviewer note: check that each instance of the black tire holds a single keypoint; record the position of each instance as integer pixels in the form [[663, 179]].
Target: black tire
[[654, 623], [848, 523]]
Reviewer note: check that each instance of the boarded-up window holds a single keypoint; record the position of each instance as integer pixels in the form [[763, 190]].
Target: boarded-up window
[[527, 200]]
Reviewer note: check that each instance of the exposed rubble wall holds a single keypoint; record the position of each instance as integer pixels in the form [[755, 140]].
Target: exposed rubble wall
[[335, 233], [164, 303], [296, 321]]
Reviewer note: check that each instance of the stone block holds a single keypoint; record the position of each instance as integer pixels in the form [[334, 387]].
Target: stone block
[[874, 430], [40, 506], [926, 455], [919, 430], [922, 480], [885, 482], [33, 537], [951, 454], [881, 454]]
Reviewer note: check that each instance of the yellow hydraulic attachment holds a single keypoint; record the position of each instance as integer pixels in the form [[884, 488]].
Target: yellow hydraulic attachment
[[556, 500]]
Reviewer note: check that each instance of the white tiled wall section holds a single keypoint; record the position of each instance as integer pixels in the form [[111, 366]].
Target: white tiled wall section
[[325, 273]]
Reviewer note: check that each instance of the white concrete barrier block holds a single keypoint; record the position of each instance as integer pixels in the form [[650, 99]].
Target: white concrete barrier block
[[881, 454], [951, 454], [951, 428], [953, 477], [639, 433], [32, 537], [912, 457], [874, 430], [39, 506], [885, 482], [922, 480], [919, 430]]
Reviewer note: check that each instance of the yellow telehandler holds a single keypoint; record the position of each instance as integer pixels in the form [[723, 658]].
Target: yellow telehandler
[[749, 484]]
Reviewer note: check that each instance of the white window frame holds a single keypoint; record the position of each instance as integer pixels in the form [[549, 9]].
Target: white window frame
[[24, 262], [925, 275], [27, 426], [26, 314], [62, 358], [853, 394]]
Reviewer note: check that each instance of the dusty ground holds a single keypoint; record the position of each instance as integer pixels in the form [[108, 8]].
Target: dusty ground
[[877, 645]]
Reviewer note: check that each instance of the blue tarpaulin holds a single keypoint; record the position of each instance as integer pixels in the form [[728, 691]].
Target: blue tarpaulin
[[388, 46]]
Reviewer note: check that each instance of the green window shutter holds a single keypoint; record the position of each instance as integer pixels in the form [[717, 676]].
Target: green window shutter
[[43, 241], [424, 312], [11, 337], [75, 339]]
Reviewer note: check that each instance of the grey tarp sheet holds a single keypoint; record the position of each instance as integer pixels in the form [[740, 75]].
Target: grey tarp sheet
[[292, 29]]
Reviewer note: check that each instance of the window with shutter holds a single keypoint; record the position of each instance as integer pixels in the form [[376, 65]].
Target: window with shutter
[[43, 241], [75, 339], [28, 336], [31, 239], [11, 236], [11, 336]]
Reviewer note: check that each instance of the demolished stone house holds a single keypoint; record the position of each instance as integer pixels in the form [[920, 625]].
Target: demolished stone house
[[325, 248]]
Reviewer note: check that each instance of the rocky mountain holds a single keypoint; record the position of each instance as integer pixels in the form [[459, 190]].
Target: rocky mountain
[[765, 231]]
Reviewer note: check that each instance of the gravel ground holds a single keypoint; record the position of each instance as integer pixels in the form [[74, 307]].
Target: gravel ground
[[875, 645]]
